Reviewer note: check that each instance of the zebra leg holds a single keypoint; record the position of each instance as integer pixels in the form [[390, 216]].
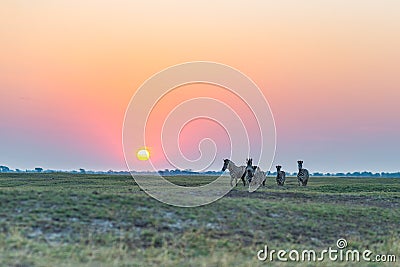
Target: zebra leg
[[244, 182]]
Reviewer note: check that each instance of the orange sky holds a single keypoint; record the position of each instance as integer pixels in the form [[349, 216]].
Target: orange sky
[[329, 69]]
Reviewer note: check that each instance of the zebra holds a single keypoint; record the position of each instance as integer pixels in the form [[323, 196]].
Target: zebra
[[236, 172], [249, 171], [280, 176], [302, 176], [254, 175], [259, 177]]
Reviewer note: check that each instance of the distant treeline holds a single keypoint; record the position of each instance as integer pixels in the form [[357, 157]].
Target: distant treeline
[[167, 172]]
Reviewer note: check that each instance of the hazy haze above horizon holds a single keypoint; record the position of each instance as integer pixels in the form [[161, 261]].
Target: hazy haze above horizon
[[329, 70]]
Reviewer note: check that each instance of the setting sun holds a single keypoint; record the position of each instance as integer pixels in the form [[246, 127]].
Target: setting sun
[[143, 154]]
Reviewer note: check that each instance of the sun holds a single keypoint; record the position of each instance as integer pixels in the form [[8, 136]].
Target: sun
[[143, 154]]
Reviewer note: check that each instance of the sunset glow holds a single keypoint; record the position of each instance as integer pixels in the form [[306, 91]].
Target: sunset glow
[[329, 70]]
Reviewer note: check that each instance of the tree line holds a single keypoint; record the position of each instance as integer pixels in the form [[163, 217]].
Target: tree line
[[166, 172]]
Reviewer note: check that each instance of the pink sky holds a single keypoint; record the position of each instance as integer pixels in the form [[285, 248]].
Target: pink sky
[[329, 70]]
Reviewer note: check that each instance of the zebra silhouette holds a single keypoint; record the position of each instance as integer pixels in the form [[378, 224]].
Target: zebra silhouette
[[302, 175], [253, 174], [236, 172], [280, 175]]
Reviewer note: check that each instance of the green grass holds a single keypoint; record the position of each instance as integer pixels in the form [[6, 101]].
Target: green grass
[[106, 220]]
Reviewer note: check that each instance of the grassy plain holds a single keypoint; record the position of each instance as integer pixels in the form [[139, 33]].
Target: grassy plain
[[106, 220]]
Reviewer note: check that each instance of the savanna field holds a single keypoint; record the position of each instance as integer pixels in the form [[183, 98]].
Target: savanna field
[[107, 220]]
